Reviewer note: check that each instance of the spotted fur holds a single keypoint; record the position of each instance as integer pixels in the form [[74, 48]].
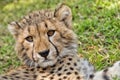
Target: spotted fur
[[47, 46], [108, 74]]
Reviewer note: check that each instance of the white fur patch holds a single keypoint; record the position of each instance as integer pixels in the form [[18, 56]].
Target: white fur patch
[[113, 72]]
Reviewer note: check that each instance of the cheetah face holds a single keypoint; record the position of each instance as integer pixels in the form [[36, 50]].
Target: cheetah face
[[43, 37]]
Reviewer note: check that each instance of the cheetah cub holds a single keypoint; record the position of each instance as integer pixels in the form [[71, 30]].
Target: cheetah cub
[[47, 46]]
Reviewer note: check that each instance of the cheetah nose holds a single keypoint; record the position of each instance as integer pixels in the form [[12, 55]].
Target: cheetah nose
[[44, 53]]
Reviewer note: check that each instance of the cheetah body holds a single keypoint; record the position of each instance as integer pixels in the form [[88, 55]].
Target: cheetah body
[[47, 46], [68, 68]]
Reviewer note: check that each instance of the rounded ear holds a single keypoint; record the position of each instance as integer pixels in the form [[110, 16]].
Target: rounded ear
[[14, 29], [63, 13]]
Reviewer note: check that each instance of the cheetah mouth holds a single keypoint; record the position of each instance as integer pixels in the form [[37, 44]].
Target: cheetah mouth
[[47, 62]]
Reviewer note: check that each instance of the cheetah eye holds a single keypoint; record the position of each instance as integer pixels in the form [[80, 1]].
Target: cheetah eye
[[50, 32], [29, 39]]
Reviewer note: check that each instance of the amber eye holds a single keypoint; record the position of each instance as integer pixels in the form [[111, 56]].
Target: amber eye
[[50, 32], [29, 39]]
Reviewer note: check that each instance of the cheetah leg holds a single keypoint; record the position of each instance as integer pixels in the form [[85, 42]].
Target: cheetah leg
[[20, 74]]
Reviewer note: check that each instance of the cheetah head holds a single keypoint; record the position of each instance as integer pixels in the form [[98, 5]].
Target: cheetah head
[[44, 36]]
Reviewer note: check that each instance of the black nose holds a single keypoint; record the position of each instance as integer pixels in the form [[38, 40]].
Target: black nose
[[44, 53]]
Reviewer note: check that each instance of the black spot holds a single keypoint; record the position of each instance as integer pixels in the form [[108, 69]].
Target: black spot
[[71, 68], [29, 16], [46, 25], [65, 69], [44, 68], [64, 77], [26, 75], [26, 72], [105, 70], [32, 69], [91, 76], [51, 77], [68, 73], [44, 76], [59, 74], [34, 76], [59, 79], [38, 66], [61, 62], [18, 25], [4, 77], [59, 68], [27, 49], [68, 63], [51, 72], [17, 77], [78, 77], [15, 74], [37, 15], [22, 49], [75, 64], [53, 66], [42, 72], [76, 73], [70, 59], [105, 77]]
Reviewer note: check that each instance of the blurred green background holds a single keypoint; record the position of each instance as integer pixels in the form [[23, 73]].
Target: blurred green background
[[96, 22]]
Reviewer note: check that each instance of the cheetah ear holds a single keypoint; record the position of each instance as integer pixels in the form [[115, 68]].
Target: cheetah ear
[[63, 13], [14, 29]]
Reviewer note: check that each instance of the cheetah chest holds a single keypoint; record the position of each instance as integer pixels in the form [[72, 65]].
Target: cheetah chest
[[67, 68]]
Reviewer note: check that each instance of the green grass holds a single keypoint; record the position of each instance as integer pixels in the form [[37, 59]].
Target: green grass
[[96, 22]]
